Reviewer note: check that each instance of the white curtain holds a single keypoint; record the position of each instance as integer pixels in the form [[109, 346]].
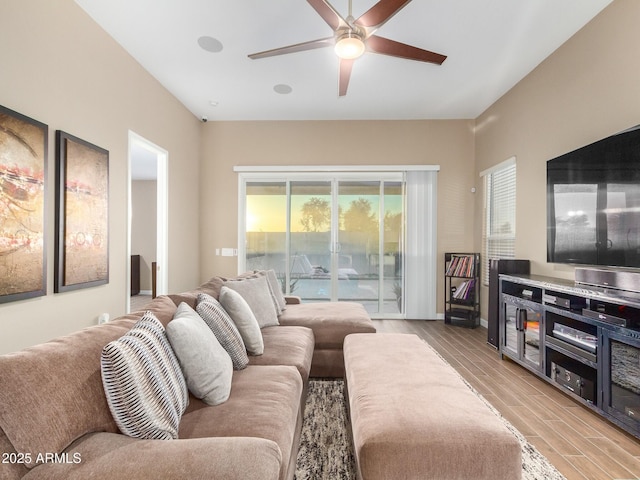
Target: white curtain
[[421, 255]]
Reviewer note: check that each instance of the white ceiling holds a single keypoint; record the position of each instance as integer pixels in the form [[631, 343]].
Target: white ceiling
[[144, 163], [490, 44]]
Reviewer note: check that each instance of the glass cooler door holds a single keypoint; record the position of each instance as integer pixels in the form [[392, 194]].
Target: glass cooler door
[[511, 333], [531, 344], [522, 331], [624, 394]]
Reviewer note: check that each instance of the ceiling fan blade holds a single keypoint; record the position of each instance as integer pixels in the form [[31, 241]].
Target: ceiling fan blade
[[298, 47], [328, 14], [385, 46], [380, 13], [345, 75]]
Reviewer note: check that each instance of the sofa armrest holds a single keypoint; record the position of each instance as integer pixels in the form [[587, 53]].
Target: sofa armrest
[[220, 457], [292, 299]]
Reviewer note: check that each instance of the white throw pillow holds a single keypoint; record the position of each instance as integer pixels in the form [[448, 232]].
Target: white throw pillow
[[145, 388], [241, 314], [206, 365]]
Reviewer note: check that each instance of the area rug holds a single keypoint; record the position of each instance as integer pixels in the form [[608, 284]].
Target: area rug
[[326, 450]]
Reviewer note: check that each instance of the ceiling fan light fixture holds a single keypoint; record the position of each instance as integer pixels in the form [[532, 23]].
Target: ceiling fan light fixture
[[349, 46]]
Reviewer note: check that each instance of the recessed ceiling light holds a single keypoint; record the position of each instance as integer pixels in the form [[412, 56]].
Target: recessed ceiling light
[[283, 89], [213, 103], [210, 44]]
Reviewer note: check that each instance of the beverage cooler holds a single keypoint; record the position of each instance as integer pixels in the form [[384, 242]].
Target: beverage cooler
[[622, 374], [521, 336]]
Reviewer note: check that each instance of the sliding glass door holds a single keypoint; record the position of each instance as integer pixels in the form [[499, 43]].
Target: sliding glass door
[[265, 228], [338, 238], [370, 243], [311, 239], [393, 246]]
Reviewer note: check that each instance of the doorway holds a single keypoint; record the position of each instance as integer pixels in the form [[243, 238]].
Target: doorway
[[147, 239]]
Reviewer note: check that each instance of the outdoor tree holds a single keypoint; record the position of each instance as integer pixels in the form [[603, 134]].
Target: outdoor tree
[[316, 214], [392, 222], [359, 218]]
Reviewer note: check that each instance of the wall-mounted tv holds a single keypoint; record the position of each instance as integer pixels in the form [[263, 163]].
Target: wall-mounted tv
[[593, 203]]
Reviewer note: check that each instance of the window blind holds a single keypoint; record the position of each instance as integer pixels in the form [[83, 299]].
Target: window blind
[[499, 226]]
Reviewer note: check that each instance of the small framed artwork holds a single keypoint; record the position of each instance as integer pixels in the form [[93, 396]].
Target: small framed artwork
[[82, 214], [23, 172]]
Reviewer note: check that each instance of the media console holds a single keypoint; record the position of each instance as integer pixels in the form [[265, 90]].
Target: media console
[[584, 339]]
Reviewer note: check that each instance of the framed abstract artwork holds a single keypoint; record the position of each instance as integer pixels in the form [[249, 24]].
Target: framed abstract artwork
[[82, 214], [23, 172]]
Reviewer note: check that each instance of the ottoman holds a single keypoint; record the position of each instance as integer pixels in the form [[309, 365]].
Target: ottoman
[[413, 417]]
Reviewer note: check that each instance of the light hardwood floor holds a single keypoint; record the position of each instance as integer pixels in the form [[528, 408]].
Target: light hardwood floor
[[138, 302], [581, 444]]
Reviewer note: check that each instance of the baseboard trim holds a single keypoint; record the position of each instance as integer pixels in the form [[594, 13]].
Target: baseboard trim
[[483, 322]]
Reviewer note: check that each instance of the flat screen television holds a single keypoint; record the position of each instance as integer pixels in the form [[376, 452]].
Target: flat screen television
[[593, 203]]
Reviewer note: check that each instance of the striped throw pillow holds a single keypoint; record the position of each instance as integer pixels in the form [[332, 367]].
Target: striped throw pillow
[[145, 389], [219, 321]]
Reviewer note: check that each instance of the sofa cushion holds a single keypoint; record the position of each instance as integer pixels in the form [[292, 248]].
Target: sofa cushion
[[10, 469], [287, 346], [190, 298], [145, 388], [224, 329], [206, 365], [241, 314], [264, 403], [330, 321], [258, 295], [212, 286], [162, 307], [70, 400], [110, 456]]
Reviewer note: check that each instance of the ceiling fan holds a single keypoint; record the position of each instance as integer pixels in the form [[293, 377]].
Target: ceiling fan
[[353, 37]]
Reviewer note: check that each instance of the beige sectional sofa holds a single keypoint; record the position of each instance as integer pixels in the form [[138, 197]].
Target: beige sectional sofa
[[55, 420]]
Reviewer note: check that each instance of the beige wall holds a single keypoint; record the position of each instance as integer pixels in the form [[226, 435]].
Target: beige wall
[[449, 144], [60, 68], [144, 227], [57, 66], [588, 89]]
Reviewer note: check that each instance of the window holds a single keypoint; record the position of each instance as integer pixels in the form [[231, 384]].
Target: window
[[344, 234], [499, 226]]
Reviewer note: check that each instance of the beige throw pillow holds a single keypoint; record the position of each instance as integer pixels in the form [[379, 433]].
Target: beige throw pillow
[[206, 365], [257, 294], [241, 314], [276, 290]]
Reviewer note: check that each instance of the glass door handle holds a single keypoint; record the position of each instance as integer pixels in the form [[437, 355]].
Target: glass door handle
[[523, 319]]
